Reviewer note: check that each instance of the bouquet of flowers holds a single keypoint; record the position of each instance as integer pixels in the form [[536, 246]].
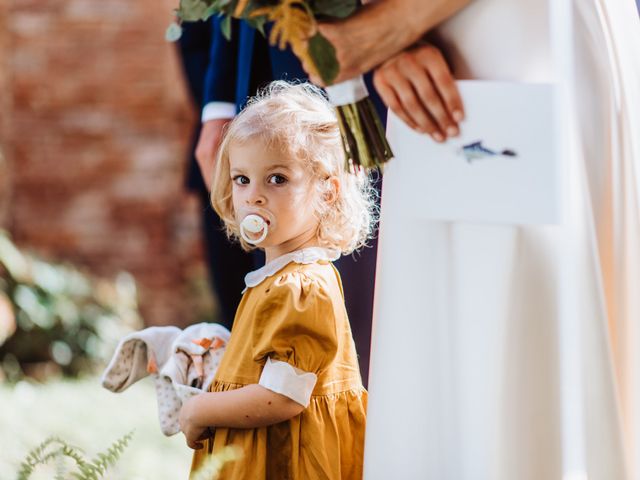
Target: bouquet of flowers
[[294, 25]]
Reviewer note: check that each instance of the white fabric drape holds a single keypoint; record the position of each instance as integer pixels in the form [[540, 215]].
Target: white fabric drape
[[466, 378]]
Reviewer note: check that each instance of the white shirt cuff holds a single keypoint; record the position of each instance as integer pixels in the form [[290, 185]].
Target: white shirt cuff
[[282, 378], [217, 110]]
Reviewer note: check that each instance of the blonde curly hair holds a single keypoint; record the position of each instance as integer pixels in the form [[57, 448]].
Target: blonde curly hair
[[300, 122]]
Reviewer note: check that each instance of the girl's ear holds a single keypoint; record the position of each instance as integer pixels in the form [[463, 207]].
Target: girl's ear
[[334, 190]]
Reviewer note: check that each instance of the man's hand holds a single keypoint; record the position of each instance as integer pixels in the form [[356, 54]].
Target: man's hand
[[357, 50], [417, 85], [207, 147], [380, 30]]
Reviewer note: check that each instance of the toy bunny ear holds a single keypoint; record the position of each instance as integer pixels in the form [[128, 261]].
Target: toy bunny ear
[[128, 365], [138, 355]]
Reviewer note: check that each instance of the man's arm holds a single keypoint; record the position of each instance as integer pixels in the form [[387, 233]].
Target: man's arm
[[219, 97]]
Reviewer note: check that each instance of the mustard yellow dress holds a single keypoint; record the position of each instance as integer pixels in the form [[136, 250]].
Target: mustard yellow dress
[[296, 315]]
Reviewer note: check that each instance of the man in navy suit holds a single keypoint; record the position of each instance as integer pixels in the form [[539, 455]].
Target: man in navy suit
[[227, 263], [237, 69]]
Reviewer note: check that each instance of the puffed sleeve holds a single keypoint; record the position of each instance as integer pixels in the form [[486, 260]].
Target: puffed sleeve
[[295, 335]]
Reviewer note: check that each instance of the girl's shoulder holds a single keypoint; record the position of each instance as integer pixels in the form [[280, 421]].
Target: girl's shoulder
[[302, 276], [300, 283]]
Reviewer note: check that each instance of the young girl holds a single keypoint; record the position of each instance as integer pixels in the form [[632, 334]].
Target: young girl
[[288, 390]]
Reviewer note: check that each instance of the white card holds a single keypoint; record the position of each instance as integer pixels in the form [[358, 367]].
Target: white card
[[503, 168]]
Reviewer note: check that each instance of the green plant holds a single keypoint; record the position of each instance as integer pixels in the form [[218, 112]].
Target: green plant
[[84, 414], [57, 318], [54, 448]]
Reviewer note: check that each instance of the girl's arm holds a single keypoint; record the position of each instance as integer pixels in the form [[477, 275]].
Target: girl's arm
[[247, 407]]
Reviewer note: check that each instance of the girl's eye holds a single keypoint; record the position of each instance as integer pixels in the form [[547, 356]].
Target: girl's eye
[[277, 179], [240, 180]]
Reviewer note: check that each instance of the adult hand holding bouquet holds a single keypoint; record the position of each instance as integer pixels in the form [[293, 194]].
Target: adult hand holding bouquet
[[411, 75], [295, 24]]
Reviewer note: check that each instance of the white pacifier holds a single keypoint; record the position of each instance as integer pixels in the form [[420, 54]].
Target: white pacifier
[[253, 224]]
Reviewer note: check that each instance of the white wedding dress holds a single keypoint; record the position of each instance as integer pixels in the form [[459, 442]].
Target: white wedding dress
[[467, 379]]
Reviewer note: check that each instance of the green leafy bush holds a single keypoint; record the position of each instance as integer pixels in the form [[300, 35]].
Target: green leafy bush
[[56, 319]]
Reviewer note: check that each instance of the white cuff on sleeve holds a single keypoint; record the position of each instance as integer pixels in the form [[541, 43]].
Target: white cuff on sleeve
[[216, 110], [282, 378]]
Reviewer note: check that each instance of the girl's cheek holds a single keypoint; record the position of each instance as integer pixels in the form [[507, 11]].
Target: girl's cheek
[[236, 194], [301, 193]]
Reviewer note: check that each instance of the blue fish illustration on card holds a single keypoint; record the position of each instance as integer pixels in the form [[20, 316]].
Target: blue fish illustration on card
[[476, 151], [504, 167]]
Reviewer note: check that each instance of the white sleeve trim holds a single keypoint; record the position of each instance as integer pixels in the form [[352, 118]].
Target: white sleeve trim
[[280, 377], [217, 110]]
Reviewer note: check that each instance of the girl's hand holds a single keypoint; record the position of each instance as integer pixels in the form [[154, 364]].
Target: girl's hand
[[417, 85], [192, 430]]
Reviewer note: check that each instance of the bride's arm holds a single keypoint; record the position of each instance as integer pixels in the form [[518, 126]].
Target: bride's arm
[[381, 29]]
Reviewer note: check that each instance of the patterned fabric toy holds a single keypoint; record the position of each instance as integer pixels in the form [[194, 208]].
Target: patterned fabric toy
[[181, 362]]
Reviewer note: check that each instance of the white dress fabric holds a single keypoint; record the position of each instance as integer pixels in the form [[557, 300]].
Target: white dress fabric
[[466, 378]]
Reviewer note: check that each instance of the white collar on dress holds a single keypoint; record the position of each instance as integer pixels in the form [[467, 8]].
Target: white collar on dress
[[305, 256]]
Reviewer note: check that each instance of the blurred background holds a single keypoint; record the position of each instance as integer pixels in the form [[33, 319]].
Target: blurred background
[[95, 127], [98, 236]]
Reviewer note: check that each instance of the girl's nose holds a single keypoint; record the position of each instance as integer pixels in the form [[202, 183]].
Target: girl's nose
[[256, 197]]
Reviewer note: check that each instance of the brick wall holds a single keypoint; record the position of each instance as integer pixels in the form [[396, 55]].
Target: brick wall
[[96, 127], [4, 110]]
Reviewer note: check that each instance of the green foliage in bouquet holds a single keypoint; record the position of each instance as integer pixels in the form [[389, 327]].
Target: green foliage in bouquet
[[55, 449], [56, 319], [294, 22]]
